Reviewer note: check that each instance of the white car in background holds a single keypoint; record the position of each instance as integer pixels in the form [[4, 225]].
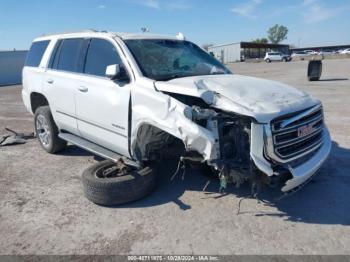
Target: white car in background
[[276, 56], [345, 51], [311, 52], [299, 54], [327, 52]]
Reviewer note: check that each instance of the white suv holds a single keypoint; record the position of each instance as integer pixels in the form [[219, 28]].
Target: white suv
[[276, 56], [144, 96]]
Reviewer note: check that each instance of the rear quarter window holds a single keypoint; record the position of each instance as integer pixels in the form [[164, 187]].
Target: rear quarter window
[[36, 53]]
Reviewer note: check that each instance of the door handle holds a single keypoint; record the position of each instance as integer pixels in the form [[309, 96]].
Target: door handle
[[83, 88], [49, 81]]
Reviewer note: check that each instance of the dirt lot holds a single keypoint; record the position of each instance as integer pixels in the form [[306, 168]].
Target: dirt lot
[[43, 210]]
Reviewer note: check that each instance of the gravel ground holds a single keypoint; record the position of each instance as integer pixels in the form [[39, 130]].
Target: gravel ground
[[43, 210]]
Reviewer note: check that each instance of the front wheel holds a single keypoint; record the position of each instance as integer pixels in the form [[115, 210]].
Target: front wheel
[[109, 184], [47, 131], [268, 60]]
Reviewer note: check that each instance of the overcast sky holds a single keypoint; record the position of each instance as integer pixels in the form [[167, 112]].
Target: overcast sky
[[310, 22]]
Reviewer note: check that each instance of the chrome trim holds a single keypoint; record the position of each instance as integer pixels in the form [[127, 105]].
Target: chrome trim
[[308, 149], [269, 147], [301, 115], [272, 147], [295, 140], [289, 129]]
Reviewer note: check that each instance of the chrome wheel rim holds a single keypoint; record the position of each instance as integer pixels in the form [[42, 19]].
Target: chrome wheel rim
[[43, 130]]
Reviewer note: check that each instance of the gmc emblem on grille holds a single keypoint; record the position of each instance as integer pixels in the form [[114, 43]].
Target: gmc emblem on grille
[[305, 130]]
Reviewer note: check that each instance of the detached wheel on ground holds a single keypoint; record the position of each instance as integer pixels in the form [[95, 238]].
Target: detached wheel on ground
[[47, 131], [107, 183]]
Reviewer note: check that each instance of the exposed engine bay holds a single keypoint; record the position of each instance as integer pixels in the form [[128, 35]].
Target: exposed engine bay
[[232, 135]]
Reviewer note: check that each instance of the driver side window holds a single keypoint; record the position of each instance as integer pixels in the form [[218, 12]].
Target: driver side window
[[100, 54]]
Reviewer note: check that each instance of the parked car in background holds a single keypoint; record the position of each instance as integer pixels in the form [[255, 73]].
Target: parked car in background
[[311, 52], [326, 52], [276, 56], [345, 51], [299, 54]]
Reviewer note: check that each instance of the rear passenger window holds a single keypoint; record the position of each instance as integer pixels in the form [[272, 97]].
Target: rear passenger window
[[69, 55], [101, 54], [36, 53]]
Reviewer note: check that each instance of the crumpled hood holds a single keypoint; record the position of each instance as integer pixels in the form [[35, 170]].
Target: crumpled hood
[[259, 98]]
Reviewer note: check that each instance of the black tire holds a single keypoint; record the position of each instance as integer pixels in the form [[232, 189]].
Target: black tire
[[313, 78], [112, 191], [268, 60], [54, 143], [284, 59]]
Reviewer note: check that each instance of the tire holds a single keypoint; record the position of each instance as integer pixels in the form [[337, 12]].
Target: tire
[[268, 60], [47, 131], [116, 190], [284, 59], [313, 78]]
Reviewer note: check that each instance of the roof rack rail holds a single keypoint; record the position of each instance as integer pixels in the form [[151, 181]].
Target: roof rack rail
[[72, 32]]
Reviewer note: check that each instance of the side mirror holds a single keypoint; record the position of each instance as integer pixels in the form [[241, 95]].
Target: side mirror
[[112, 71]]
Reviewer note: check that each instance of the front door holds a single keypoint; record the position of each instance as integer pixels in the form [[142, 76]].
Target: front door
[[102, 104]]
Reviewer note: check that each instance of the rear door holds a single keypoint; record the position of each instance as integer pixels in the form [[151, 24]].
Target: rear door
[[102, 104], [62, 80]]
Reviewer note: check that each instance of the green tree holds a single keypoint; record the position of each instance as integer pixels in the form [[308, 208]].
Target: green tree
[[260, 40], [277, 33]]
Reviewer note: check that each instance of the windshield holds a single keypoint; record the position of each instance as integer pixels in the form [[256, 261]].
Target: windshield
[[168, 59]]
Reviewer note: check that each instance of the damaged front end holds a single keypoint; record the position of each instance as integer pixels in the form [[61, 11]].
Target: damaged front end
[[205, 127]]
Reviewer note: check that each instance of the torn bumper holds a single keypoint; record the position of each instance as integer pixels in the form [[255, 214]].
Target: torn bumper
[[302, 173]]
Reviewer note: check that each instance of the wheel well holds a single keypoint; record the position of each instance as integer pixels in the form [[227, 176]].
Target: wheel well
[[37, 100], [153, 143]]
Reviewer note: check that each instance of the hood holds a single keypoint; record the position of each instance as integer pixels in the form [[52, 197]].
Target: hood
[[259, 98]]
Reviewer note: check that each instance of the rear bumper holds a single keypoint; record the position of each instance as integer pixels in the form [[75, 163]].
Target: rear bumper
[[26, 100], [302, 173]]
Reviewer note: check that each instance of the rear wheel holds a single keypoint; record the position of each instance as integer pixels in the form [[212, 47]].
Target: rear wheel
[[284, 59], [47, 131]]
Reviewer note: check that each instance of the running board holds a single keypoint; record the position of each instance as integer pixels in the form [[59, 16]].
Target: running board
[[96, 149]]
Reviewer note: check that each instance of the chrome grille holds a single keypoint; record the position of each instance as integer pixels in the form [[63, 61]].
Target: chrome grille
[[295, 135]]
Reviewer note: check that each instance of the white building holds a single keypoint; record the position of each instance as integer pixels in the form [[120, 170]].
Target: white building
[[235, 52]]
